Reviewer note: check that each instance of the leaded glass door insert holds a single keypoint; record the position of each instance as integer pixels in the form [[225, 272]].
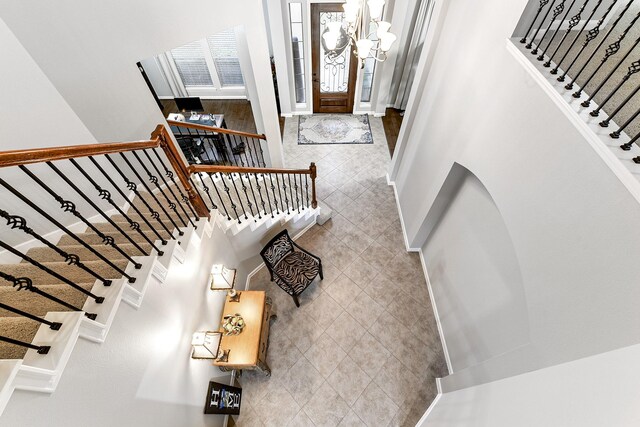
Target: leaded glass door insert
[[333, 75]]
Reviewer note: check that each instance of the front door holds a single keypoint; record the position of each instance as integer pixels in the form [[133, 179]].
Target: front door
[[334, 78]]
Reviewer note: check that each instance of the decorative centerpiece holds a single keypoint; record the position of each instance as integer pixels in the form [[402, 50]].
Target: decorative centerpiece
[[232, 324]]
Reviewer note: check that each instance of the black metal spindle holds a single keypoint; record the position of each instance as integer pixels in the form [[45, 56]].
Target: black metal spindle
[[286, 197], [169, 174], [133, 206], [206, 190], [306, 186], [259, 142], [266, 193], [52, 325], [57, 223], [228, 191], [293, 205], [556, 11], [282, 204], [611, 50], [616, 134], [154, 180], [24, 283], [628, 145], [49, 271], [569, 85], [220, 199], [605, 123], [69, 206], [591, 35], [153, 196], [106, 195], [295, 190], [541, 6], [273, 191], [18, 222], [233, 182], [41, 349], [259, 188], [633, 69], [134, 187], [170, 190], [243, 150], [254, 195], [573, 21]]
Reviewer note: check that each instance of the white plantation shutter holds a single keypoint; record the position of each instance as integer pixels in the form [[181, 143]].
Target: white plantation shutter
[[225, 57], [191, 65]]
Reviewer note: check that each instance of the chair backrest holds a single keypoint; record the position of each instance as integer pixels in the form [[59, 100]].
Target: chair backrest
[[277, 248]]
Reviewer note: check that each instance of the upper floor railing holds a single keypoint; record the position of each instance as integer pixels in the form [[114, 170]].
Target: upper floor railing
[[592, 46], [210, 145]]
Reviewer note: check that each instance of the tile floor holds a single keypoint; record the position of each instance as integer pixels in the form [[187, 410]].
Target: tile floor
[[363, 348]]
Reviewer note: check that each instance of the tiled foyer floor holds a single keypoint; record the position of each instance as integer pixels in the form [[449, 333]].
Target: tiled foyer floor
[[363, 348]]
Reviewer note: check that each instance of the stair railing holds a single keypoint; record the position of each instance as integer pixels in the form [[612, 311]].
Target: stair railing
[[210, 145], [601, 67]]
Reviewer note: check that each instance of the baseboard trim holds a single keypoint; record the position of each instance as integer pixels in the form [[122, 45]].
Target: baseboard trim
[[404, 230], [422, 421]]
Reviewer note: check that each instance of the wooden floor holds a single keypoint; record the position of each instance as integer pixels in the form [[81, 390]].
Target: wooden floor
[[237, 112], [391, 122]]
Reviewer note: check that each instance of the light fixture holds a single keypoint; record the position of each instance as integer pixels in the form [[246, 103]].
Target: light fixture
[[206, 345], [224, 279], [358, 32]]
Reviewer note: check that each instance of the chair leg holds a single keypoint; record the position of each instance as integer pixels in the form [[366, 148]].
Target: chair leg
[[321, 275], [295, 299]]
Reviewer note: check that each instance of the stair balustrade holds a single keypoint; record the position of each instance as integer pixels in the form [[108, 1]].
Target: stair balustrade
[[592, 54]]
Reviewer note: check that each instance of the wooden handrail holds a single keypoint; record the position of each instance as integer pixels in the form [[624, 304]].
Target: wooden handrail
[[215, 129], [37, 155]]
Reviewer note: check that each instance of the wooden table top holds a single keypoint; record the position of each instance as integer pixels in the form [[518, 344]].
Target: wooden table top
[[245, 346]]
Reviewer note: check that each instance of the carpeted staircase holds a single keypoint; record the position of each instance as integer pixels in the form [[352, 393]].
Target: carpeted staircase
[[17, 327]]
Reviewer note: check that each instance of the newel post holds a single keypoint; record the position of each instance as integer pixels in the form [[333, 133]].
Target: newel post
[[313, 173], [181, 170]]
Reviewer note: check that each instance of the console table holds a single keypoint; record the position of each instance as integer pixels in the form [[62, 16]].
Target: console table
[[248, 350]]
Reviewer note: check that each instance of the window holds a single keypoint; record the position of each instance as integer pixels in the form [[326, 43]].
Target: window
[[225, 57], [297, 49], [191, 65], [369, 69]]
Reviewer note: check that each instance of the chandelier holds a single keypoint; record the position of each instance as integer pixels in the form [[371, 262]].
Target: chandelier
[[358, 32]]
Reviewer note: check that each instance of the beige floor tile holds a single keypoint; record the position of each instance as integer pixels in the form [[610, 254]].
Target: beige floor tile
[[374, 407], [369, 354], [324, 310], [351, 420], [326, 408], [247, 418], [341, 255], [377, 256], [277, 408], [343, 290], [302, 381], [303, 330], [361, 273], [382, 290], [398, 382], [301, 420], [364, 309], [338, 200], [349, 380], [325, 354], [357, 240], [345, 331]]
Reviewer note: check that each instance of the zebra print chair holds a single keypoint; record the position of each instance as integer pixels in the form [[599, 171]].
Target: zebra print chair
[[290, 266]]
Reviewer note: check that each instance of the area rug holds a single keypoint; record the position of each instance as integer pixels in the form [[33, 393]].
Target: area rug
[[334, 129]]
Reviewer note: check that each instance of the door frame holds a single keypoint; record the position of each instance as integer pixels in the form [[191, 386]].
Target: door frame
[[315, 9]]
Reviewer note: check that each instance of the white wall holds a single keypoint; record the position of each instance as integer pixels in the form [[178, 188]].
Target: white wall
[[89, 50], [573, 224], [596, 391], [142, 374], [475, 277]]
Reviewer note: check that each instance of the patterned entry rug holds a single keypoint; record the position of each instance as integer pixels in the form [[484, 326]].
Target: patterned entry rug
[[334, 129]]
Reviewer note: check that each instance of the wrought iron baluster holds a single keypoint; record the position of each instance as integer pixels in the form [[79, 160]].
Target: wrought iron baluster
[[605, 123], [266, 193], [633, 69], [293, 205], [69, 206], [611, 50], [286, 199], [616, 134], [628, 145], [9, 248], [170, 190], [18, 222], [556, 11], [228, 191], [169, 174], [569, 85], [573, 21], [244, 188], [205, 188], [541, 6], [40, 349], [262, 163], [252, 152], [153, 196], [124, 196], [258, 188], [134, 187], [106, 195], [295, 188], [55, 326], [24, 283], [282, 203], [591, 34], [220, 199], [306, 185], [57, 223], [248, 177], [245, 149], [154, 180], [275, 197]]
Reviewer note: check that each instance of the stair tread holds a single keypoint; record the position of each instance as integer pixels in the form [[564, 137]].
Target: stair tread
[[19, 328], [39, 305], [71, 272], [44, 254]]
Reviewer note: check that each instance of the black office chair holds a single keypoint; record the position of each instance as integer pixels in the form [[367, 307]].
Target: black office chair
[[290, 266]]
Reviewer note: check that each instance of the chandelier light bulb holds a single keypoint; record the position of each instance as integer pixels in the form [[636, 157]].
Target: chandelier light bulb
[[383, 28], [386, 41], [375, 8], [330, 39], [364, 47], [334, 27], [350, 12]]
